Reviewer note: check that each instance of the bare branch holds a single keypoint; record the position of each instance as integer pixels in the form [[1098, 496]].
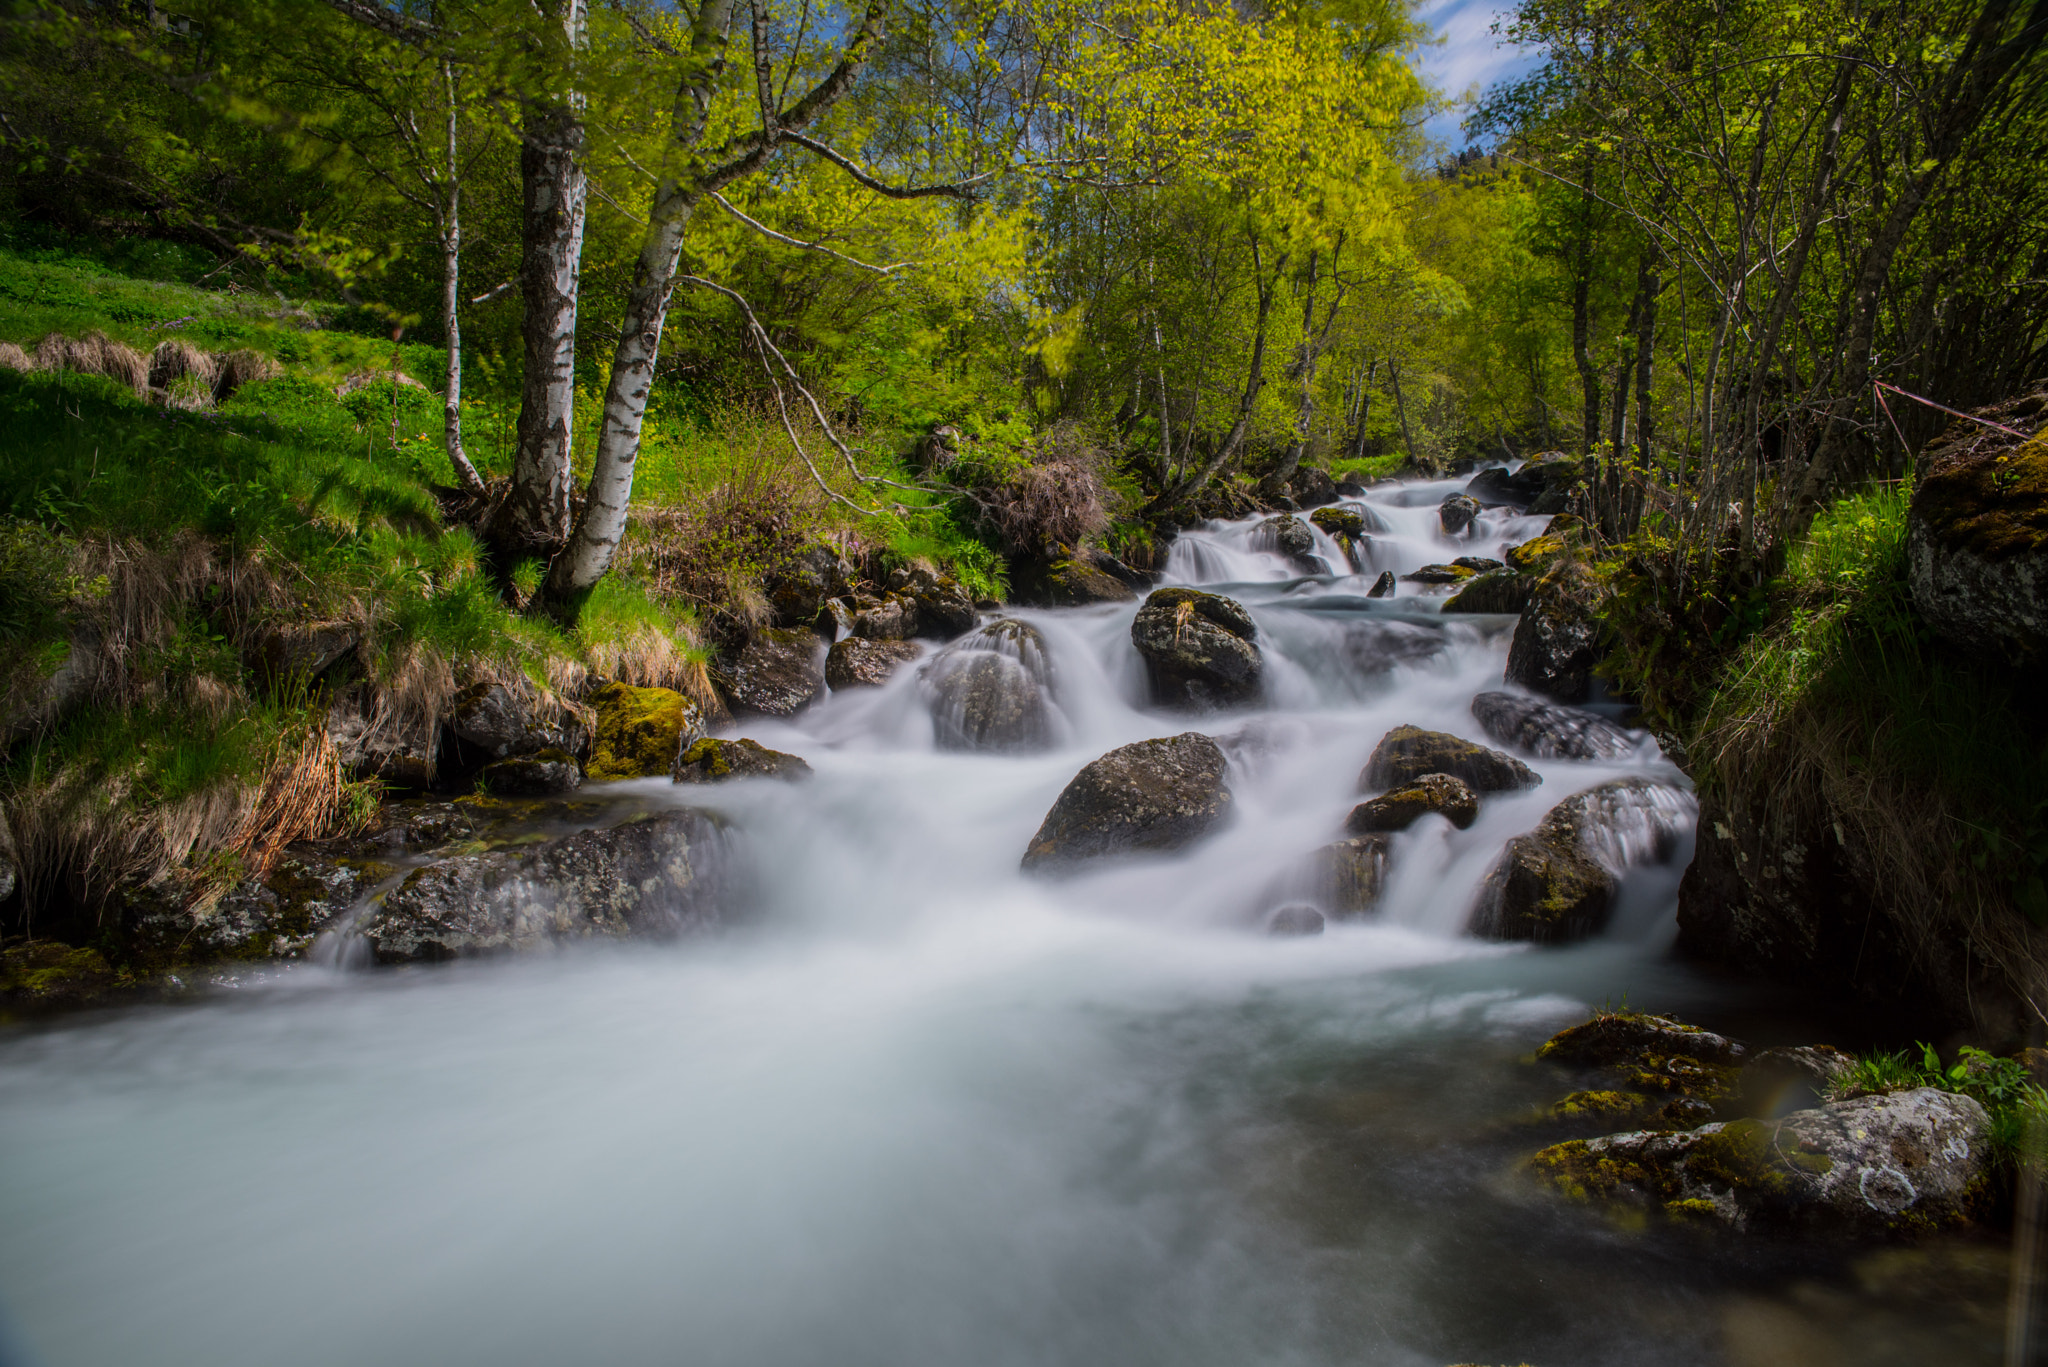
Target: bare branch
[[767, 231], [388, 22], [955, 190]]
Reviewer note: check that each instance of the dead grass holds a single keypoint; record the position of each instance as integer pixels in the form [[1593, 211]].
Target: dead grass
[[175, 358]]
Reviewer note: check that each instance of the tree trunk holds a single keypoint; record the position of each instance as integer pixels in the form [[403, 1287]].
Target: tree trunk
[[1305, 375], [451, 299], [1401, 407], [1255, 381]]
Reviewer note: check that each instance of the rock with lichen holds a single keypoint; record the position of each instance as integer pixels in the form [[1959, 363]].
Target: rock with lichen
[[778, 673], [709, 760], [1558, 883], [1400, 808], [1149, 797], [1406, 753], [640, 731], [1557, 639], [1200, 649], [858, 662], [1882, 1166]]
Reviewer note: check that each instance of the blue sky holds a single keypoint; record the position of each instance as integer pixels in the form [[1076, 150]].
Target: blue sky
[[1468, 56]]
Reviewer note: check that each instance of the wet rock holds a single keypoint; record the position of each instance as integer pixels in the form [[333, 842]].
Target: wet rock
[[1607, 1108], [641, 730], [541, 774], [1535, 555], [708, 760], [1075, 578], [660, 876], [1501, 591], [1340, 521], [491, 722], [1903, 1163], [1373, 646], [1478, 564], [983, 701], [778, 674], [1818, 1064], [1977, 535], [1399, 809], [1312, 487], [1438, 574], [1406, 753], [1556, 642], [944, 609], [1291, 538], [1494, 487], [890, 619], [1151, 797], [47, 973], [1382, 587], [1346, 877], [1561, 477], [1455, 514], [1557, 884], [1198, 649], [1636, 1039], [1295, 919], [857, 662], [172, 922], [301, 650], [803, 585], [1550, 731]]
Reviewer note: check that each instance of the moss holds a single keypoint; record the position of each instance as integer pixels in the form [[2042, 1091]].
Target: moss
[[47, 969], [711, 756], [1531, 556], [639, 730], [1985, 492], [1600, 1105]]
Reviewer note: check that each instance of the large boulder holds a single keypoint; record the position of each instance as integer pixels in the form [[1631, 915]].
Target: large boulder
[[1635, 1040], [1074, 578], [1558, 883], [778, 674], [1550, 731], [1439, 574], [1402, 807], [1406, 753], [804, 583], [659, 876], [991, 691], [1556, 641], [275, 916], [1290, 538], [640, 731], [1502, 591], [1874, 1167], [544, 773], [1340, 521], [1198, 649], [858, 662], [1977, 534], [709, 760], [1494, 487], [489, 721], [1150, 797], [1456, 513], [1536, 554]]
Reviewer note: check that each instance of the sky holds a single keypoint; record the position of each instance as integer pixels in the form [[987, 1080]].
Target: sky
[[1468, 56]]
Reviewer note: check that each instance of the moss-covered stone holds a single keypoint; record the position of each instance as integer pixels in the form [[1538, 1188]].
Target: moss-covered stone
[[1533, 556], [1406, 753], [46, 971], [714, 761], [1499, 591], [1339, 521], [1448, 797], [1439, 574], [640, 731], [1986, 492], [1601, 1105]]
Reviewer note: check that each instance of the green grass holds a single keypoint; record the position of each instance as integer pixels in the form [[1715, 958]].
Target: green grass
[[2018, 1107], [1368, 468]]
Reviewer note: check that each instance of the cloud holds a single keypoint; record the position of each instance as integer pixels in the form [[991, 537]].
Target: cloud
[[1469, 56]]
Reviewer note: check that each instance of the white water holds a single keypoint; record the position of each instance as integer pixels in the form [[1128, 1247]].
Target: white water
[[920, 1111]]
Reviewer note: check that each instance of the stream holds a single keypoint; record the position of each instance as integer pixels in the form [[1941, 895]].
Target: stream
[[922, 1111]]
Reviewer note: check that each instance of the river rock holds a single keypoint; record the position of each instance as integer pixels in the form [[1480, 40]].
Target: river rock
[[984, 701], [1502, 591], [1456, 513], [1150, 797], [1198, 649], [1535, 555], [944, 610], [709, 760], [1373, 645], [1290, 537], [886, 619], [1350, 874], [1873, 1167], [778, 674], [1557, 884], [543, 773], [1977, 534], [640, 731], [1399, 809], [1550, 731], [489, 721], [1556, 642], [1074, 578], [1438, 574], [802, 586], [659, 876], [1637, 1039], [1382, 587], [164, 924], [858, 662], [1494, 487], [1406, 753], [1340, 521], [1295, 919], [1312, 486]]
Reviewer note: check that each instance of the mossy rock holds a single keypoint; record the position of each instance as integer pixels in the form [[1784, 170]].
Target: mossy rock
[[1339, 522], [714, 761], [1977, 535], [1558, 883], [1406, 753], [640, 731], [46, 971], [1496, 591], [1534, 556], [1439, 574], [1448, 797]]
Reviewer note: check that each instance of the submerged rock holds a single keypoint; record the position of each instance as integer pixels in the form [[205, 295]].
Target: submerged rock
[[1556, 641], [640, 730], [1399, 809], [778, 674], [1909, 1162], [659, 876], [1549, 731], [1558, 883], [987, 702], [1349, 875], [540, 774], [1150, 797], [857, 662], [714, 761], [1406, 753], [1373, 645], [1295, 919], [1198, 649], [1977, 534], [1456, 513], [1502, 591]]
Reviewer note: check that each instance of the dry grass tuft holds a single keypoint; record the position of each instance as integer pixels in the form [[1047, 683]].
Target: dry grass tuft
[[14, 358], [238, 368], [95, 354], [174, 359]]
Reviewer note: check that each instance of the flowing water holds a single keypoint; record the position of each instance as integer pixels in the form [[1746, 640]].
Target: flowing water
[[919, 1111]]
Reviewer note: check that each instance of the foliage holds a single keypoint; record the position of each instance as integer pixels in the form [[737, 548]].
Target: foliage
[[2018, 1106]]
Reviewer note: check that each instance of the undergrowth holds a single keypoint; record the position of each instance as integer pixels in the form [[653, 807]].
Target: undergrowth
[[2017, 1105]]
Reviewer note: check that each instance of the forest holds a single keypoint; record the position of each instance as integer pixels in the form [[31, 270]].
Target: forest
[[426, 424]]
